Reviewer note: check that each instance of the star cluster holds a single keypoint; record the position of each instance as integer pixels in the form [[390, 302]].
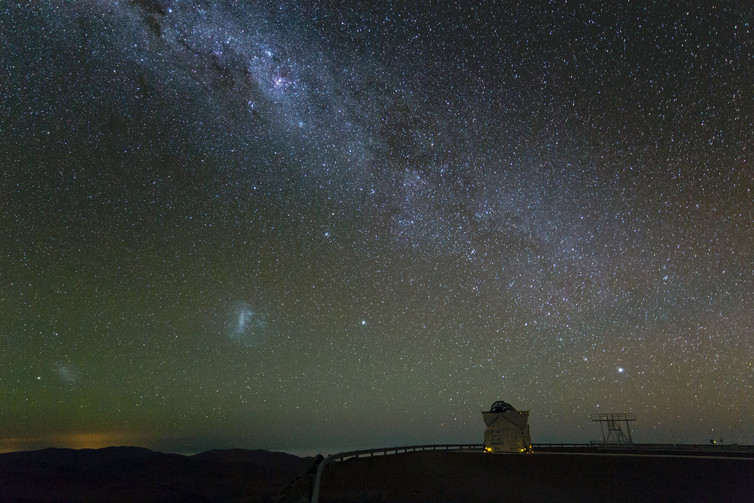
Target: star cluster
[[313, 226]]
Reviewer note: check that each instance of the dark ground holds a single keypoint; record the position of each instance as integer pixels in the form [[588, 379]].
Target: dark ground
[[470, 477], [134, 474]]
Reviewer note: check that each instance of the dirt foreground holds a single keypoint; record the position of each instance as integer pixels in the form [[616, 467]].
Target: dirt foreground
[[471, 477]]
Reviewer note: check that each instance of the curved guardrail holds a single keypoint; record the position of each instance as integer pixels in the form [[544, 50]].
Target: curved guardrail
[[744, 450], [384, 451]]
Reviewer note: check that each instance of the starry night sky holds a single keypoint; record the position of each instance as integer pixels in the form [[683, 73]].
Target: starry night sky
[[314, 226]]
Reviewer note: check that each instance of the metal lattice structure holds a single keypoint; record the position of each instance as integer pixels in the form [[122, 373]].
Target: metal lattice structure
[[611, 425]]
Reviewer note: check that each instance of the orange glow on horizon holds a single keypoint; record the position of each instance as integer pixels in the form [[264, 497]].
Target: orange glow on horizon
[[89, 440]]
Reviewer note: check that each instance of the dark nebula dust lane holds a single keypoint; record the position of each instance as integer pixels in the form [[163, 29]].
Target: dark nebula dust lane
[[308, 225]]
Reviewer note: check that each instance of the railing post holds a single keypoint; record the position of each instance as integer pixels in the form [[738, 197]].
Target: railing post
[[317, 480]]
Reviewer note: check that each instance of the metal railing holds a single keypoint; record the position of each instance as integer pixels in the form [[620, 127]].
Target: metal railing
[[600, 445], [384, 451], [546, 446]]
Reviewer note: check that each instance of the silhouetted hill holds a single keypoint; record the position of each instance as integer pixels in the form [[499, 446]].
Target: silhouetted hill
[[136, 474], [263, 458]]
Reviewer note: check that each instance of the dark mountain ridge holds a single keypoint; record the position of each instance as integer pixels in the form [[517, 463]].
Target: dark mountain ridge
[[138, 474]]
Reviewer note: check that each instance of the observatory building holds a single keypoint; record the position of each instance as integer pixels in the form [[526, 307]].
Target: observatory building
[[507, 429]]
